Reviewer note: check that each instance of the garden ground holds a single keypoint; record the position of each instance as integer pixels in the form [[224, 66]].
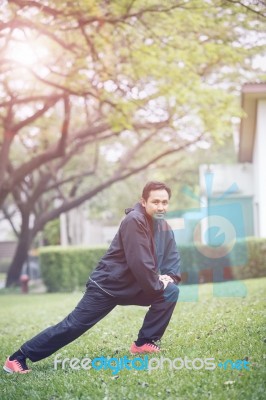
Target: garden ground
[[215, 327]]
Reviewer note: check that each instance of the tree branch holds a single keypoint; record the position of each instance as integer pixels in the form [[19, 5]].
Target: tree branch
[[9, 218], [50, 103], [118, 176], [35, 4], [26, 23], [61, 87], [30, 99], [249, 7]]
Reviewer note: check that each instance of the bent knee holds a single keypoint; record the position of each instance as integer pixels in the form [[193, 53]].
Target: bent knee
[[171, 292]]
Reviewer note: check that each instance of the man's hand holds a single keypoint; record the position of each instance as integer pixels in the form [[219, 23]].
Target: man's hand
[[165, 279]]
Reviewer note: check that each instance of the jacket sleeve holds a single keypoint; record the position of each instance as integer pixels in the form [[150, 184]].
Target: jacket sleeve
[[171, 261], [140, 259]]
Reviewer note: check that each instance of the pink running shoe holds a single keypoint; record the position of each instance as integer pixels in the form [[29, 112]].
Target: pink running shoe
[[17, 365], [145, 348]]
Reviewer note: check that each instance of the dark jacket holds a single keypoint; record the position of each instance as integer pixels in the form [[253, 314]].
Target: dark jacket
[[141, 250]]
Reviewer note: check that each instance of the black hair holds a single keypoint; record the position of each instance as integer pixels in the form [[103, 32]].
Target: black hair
[[154, 185]]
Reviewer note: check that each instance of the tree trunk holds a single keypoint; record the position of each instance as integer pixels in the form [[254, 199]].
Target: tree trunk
[[20, 256]]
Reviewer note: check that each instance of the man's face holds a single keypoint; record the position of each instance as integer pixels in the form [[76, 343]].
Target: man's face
[[157, 203]]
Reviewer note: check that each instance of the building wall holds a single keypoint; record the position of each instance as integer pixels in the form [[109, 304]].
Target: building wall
[[77, 229], [226, 179], [259, 162], [7, 249], [228, 192]]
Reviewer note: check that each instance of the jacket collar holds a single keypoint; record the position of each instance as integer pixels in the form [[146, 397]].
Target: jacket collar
[[154, 224], [137, 207]]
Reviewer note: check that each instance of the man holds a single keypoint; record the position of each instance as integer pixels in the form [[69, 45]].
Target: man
[[141, 267]]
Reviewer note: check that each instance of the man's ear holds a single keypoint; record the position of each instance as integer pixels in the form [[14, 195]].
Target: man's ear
[[143, 202]]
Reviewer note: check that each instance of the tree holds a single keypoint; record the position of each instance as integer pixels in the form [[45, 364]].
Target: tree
[[179, 171], [95, 92]]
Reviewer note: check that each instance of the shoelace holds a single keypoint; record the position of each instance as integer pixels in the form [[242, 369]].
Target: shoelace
[[153, 345], [21, 364]]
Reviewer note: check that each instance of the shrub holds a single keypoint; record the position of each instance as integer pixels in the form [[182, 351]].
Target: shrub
[[247, 259], [67, 268], [255, 265]]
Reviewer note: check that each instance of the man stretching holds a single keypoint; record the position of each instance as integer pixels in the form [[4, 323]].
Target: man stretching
[[141, 267]]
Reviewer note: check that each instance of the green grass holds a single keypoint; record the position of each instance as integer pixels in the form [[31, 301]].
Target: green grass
[[222, 328]]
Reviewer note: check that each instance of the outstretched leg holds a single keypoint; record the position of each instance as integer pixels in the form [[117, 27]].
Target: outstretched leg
[[94, 305]]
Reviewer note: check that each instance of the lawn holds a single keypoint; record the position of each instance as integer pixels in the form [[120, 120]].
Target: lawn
[[212, 327]]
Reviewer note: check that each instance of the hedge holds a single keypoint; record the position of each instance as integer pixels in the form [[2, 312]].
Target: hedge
[[64, 269], [247, 259], [68, 268]]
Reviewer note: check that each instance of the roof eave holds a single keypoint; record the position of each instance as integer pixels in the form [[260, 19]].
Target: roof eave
[[251, 93]]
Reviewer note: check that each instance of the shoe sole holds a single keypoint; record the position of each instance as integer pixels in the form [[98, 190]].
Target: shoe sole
[[10, 371], [144, 352]]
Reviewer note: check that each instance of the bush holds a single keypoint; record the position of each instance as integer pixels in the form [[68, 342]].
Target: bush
[[255, 265], [64, 269], [67, 268], [247, 259], [51, 233]]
